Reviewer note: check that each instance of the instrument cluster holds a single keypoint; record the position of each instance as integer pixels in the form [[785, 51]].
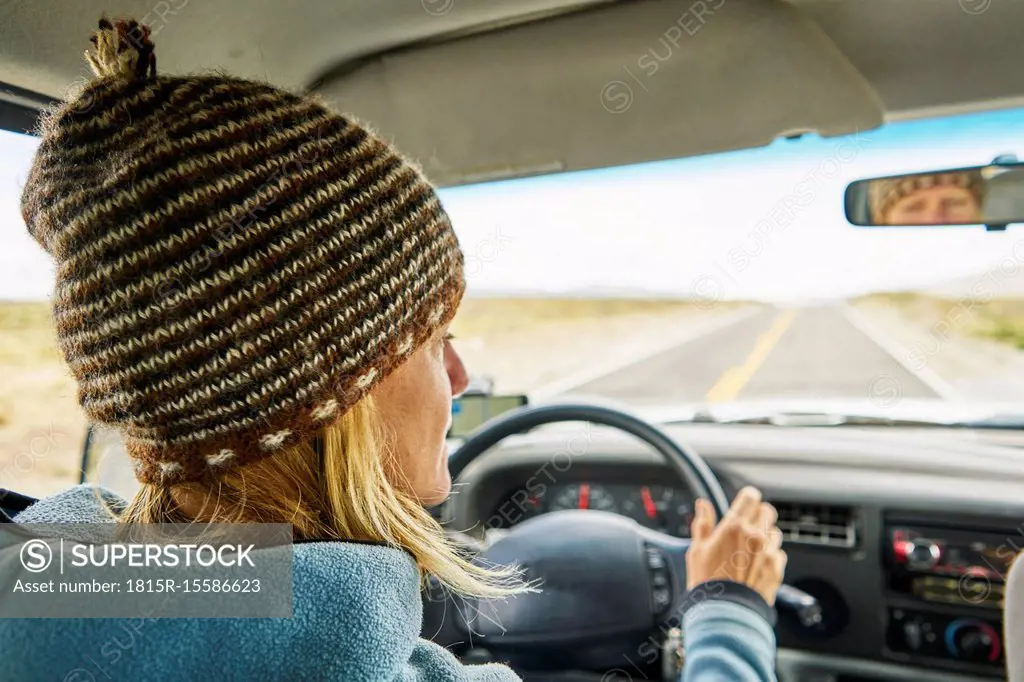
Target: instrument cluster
[[668, 509]]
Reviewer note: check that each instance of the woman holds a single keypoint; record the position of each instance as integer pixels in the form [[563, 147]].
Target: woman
[[256, 292], [1013, 619], [951, 198]]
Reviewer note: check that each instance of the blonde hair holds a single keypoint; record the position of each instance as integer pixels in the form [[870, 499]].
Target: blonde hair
[[339, 486]]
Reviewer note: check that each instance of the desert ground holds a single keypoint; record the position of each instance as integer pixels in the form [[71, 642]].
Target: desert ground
[[521, 344]]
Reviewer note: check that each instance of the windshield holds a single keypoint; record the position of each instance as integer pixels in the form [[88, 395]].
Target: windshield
[[720, 280], [737, 278]]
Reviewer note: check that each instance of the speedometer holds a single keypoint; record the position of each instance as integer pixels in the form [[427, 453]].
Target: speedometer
[[583, 496], [665, 509]]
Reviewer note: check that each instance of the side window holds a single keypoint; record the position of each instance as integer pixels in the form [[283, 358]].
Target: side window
[[41, 425]]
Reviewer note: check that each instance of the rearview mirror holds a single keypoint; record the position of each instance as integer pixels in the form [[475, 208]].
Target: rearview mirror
[[471, 410], [982, 195]]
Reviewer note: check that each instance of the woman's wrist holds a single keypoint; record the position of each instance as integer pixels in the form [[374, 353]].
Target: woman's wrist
[[728, 591]]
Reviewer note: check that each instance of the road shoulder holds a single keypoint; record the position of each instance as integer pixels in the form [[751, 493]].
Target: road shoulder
[[971, 368]]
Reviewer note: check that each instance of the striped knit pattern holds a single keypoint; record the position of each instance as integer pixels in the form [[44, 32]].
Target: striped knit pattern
[[885, 193], [236, 265]]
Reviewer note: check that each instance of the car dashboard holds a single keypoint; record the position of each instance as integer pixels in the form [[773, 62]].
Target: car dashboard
[[646, 500], [904, 535]]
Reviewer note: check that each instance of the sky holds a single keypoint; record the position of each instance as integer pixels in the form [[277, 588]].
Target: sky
[[765, 224]]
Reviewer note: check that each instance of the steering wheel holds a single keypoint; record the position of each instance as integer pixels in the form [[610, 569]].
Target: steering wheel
[[605, 579]]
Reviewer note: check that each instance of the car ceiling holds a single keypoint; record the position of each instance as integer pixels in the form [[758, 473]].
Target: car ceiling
[[487, 89]]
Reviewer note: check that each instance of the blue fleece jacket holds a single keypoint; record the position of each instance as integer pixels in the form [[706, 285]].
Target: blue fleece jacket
[[357, 614]]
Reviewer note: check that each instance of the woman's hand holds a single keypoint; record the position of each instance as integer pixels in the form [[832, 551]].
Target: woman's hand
[[746, 547]]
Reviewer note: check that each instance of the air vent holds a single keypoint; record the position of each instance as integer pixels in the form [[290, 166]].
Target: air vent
[[817, 524]]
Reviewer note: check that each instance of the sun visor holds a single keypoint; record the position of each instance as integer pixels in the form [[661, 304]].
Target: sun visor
[[625, 83]]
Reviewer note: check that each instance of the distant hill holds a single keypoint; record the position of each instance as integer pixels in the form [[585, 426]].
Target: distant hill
[[599, 293], [994, 284]]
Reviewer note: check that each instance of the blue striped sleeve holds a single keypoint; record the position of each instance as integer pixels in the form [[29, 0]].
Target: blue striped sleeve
[[728, 639]]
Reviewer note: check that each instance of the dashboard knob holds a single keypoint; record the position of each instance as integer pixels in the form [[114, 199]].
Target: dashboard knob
[[923, 554], [912, 635], [973, 640]]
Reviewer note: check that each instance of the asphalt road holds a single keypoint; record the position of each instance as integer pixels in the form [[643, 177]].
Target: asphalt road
[[815, 352]]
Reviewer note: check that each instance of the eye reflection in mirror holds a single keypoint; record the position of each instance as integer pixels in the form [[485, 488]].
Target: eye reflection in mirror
[[990, 195]]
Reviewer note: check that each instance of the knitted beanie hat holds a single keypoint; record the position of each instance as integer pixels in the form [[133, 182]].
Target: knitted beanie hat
[[885, 193], [236, 265]]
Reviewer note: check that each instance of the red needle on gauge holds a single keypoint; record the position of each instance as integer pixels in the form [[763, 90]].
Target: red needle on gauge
[[584, 495], [649, 507]]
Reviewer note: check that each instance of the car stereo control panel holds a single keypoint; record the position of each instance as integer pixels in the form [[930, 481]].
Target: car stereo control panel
[[945, 589]]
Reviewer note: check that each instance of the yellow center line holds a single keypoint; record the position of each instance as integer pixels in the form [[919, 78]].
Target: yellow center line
[[735, 378]]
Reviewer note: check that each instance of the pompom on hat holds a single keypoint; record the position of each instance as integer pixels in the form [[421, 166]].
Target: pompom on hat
[[236, 265]]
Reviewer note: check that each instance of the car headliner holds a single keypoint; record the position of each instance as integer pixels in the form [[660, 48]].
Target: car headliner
[[482, 89]]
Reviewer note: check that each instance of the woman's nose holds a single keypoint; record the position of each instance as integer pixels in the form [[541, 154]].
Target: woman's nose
[[456, 370]]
